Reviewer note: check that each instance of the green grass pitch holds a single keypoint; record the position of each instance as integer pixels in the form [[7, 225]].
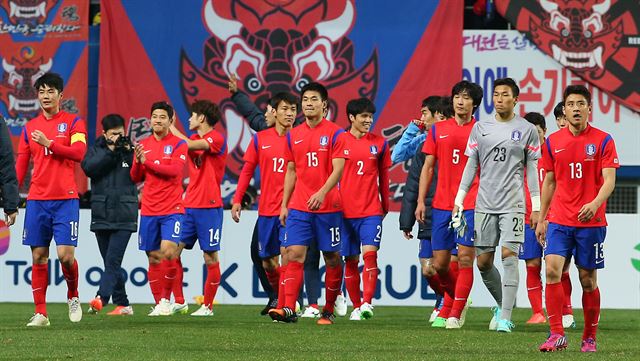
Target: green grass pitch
[[239, 333]]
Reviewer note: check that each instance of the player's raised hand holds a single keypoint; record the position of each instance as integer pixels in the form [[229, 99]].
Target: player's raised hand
[[420, 212], [236, 209], [39, 137], [10, 218], [315, 201], [284, 213], [233, 84], [541, 233], [587, 212], [407, 234]]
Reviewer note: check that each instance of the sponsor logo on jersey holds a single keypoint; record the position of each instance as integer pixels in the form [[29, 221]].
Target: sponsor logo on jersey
[[324, 140], [373, 149], [516, 135], [62, 127], [168, 149]]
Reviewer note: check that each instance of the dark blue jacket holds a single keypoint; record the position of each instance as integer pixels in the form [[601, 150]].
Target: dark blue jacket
[[8, 179]]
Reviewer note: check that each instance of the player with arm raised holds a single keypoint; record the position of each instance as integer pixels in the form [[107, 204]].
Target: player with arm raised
[[580, 162]]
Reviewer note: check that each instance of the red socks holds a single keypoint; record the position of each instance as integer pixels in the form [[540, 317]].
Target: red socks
[[169, 268], [274, 279], [463, 289], [369, 275], [332, 282], [71, 276], [434, 283], [39, 283], [447, 304], [534, 288], [352, 281], [177, 284], [281, 293], [591, 308], [153, 276], [292, 283], [554, 296], [211, 284], [566, 285]]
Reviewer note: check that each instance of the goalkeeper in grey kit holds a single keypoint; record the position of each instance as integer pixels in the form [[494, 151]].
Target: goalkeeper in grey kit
[[502, 147]]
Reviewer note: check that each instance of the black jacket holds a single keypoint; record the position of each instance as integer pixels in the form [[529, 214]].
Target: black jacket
[[410, 198], [8, 179], [114, 197]]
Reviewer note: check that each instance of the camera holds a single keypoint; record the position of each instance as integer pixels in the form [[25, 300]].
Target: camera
[[123, 143]]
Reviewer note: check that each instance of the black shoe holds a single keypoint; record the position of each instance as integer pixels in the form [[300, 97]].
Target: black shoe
[[273, 303], [327, 318]]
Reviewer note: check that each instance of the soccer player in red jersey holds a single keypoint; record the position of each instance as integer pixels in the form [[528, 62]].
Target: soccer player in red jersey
[[580, 162], [202, 221], [445, 145], [159, 162], [56, 141], [311, 204], [266, 150], [365, 188], [531, 250]]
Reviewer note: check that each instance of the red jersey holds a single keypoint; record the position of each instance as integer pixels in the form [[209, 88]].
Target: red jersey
[[312, 150], [361, 186], [447, 142], [162, 174], [206, 169], [54, 167], [577, 163], [266, 149]]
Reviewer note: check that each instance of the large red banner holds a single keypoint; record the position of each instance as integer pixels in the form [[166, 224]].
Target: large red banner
[[40, 37]]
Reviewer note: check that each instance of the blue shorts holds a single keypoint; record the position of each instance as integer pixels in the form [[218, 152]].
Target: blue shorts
[[584, 243], [530, 249], [366, 231], [154, 229], [445, 238], [425, 250], [204, 225], [45, 219], [302, 227], [270, 234]]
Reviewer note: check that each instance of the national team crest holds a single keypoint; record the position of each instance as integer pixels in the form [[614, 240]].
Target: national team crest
[[516, 135], [324, 140], [168, 149], [62, 127], [590, 149], [373, 149]]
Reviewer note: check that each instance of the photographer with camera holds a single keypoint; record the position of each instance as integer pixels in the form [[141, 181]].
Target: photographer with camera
[[114, 208]]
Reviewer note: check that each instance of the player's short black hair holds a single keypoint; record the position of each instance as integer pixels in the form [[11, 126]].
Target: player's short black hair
[[432, 103], [446, 107], [557, 111], [536, 119], [164, 106], [317, 87], [515, 90], [52, 80], [112, 121], [472, 89], [209, 109], [359, 106], [283, 97], [576, 89]]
